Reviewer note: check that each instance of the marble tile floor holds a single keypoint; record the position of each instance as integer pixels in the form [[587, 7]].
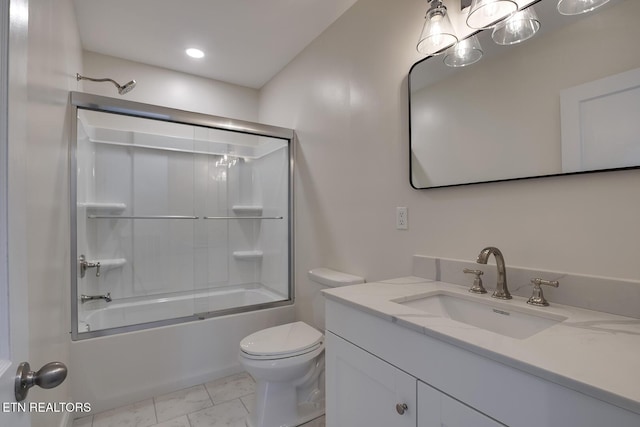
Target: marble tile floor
[[220, 403]]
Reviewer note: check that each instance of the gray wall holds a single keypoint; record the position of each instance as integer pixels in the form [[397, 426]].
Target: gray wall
[[346, 96]]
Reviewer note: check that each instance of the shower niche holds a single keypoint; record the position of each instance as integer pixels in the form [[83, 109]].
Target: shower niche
[[177, 216]]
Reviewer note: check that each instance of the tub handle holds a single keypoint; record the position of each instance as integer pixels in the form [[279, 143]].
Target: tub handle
[[84, 265]]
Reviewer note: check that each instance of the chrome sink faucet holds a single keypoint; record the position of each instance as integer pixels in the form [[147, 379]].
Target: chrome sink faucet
[[501, 292]]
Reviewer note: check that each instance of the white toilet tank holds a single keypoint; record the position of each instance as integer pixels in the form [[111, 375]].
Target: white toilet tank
[[323, 278]]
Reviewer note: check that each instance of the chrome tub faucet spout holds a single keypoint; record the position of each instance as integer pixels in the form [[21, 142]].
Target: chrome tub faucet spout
[[85, 298], [501, 292]]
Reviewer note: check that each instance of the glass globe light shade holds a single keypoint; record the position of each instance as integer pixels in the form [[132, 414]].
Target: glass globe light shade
[[465, 52], [520, 27], [576, 7], [485, 13], [437, 33]]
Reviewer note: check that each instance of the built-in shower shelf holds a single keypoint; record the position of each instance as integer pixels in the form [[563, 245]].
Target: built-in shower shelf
[[103, 208], [247, 255], [247, 210]]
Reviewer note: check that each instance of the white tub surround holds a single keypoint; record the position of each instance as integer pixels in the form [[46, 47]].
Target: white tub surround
[[591, 353], [156, 361]]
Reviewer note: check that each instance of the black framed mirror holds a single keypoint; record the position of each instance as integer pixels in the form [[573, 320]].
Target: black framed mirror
[[565, 101]]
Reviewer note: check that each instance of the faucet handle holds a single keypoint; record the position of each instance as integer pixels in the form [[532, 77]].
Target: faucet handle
[[84, 265], [537, 298], [477, 287]]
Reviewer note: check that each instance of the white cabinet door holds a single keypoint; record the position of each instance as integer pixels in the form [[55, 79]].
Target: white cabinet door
[[436, 409], [364, 391]]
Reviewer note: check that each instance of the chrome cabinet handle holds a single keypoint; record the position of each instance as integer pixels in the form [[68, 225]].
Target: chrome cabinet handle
[[49, 376], [401, 408]]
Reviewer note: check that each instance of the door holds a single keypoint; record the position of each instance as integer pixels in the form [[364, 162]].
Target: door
[[365, 391], [13, 280], [599, 122]]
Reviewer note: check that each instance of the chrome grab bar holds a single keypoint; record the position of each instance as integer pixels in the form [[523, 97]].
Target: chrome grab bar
[[179, 217], [141, 217], [243, 217]]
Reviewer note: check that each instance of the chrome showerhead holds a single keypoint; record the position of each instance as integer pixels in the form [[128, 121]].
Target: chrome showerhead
[[126, 88]]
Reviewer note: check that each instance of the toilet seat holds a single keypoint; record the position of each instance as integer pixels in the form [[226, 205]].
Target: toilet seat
[[280, 342]]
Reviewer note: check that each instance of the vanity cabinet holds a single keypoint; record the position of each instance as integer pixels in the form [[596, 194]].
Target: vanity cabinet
[[367, 391], [374, 364], [436, 409]]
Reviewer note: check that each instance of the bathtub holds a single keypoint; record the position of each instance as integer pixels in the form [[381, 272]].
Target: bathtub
[[116, 370], [100, 315]]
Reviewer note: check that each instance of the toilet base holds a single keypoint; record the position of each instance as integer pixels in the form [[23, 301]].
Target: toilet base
[[306, 413]]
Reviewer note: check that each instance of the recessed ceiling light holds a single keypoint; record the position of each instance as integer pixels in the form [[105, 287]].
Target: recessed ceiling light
[[195, 53]]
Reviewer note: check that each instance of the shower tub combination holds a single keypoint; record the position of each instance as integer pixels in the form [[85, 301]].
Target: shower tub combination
[[182, 245], [147, 310]]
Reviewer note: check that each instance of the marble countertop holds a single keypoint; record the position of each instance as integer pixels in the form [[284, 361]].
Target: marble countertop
[[594, 353]]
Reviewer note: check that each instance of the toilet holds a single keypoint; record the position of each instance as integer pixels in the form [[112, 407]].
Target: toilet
[[287, 363]]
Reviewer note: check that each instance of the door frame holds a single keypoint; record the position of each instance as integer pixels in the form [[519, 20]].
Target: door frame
[[14, 330]]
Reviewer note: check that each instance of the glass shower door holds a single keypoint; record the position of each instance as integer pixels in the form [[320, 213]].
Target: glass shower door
[[247, 200], [135, 221], [175, 221]]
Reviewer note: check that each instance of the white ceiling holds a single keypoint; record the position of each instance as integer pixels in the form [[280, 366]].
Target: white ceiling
[[246, 42]]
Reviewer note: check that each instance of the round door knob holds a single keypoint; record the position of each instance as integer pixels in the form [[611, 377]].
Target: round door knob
[[49, 376], [401, 407]]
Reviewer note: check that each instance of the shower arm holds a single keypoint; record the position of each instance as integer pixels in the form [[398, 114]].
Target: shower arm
[[122, 89], [79, 77]]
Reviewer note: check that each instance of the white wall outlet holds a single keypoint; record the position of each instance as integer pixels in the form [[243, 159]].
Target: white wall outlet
[[402, 218]]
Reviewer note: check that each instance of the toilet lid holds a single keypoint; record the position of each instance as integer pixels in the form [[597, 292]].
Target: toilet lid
[[281, 340]]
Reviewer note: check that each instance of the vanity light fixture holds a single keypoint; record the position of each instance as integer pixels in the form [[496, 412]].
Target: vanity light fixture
[[576, 7], [520, 27], [437, 33], [484, 14], [194, 53], [465, 52]]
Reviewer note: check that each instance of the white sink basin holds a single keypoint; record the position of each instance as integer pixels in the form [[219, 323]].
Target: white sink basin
[[504, 318]]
